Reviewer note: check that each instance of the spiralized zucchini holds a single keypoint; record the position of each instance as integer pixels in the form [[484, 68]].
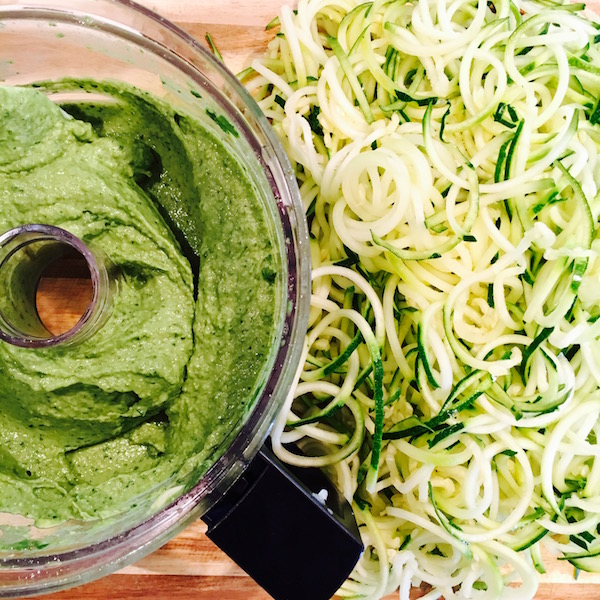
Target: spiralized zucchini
[[447, 157]]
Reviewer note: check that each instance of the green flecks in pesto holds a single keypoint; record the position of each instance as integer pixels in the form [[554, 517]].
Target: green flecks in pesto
[[222, 122]]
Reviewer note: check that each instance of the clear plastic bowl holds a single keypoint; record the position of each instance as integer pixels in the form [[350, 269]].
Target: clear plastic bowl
[[119, 40]]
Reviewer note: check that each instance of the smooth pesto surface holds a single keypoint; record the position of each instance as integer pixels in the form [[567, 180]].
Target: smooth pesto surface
[[146, 400]]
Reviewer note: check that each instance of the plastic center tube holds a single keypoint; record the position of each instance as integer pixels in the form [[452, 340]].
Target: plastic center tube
[[25, 254]]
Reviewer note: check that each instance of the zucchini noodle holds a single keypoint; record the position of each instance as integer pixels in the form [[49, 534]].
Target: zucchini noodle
[[447, 154]]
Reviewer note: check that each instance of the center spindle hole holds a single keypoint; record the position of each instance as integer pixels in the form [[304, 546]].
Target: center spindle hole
[[64, 292]]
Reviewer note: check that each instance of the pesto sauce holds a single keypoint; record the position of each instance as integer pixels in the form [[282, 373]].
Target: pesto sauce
[[149, 400]]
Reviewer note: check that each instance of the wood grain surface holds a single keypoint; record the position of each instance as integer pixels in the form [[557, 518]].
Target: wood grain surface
[[190, 566]]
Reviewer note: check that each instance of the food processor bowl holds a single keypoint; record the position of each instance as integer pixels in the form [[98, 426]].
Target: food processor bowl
[[121, 41]]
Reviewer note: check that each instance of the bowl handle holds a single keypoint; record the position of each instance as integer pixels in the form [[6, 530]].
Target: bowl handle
[[289, 528]]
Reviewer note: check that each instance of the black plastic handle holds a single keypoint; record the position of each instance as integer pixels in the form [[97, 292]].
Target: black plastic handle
[[274, 524]]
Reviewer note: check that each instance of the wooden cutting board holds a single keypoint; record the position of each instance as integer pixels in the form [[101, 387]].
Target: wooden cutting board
[[190, 566]]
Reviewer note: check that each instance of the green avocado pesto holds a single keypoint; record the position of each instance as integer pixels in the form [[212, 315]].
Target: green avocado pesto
[[148, 401]]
